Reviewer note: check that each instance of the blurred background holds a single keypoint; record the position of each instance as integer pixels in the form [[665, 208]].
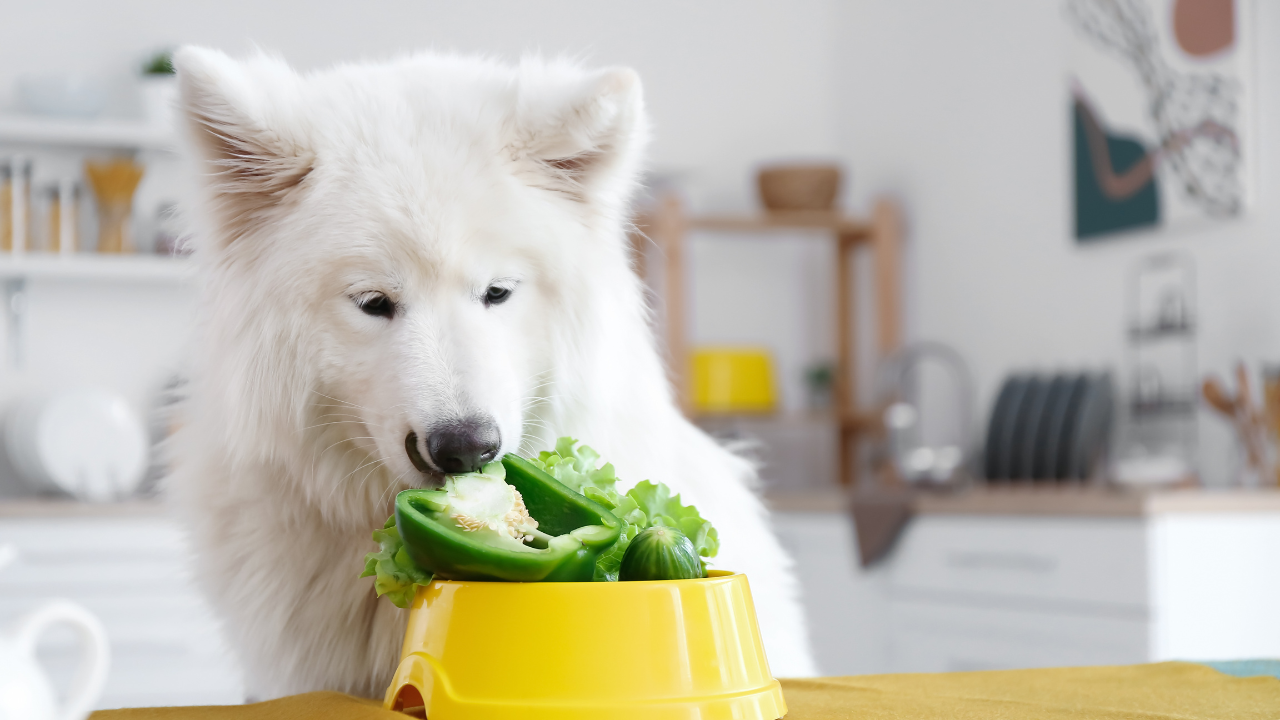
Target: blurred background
[[987, 288]]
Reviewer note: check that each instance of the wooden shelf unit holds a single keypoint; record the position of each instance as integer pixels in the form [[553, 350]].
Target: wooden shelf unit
[[668, 226]]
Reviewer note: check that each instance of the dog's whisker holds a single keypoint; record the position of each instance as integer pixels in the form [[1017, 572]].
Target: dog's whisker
[[352, 406], [534, 401], [390, 488], [334, 422], [346, 439], [342, 482], [338, 400], [343, 459], [379, 465], [348, 421], [359, 469], [326, 421]]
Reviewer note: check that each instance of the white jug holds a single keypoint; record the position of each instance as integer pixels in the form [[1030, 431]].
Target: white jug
[[25, 690]]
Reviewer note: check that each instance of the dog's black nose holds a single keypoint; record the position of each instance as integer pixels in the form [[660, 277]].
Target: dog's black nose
[[464, 446]]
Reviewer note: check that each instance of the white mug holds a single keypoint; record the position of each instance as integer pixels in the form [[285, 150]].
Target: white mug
[[25, 690]]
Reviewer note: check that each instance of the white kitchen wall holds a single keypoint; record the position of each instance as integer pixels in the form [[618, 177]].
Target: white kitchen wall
[[961, 109], [958, 109], [728, 84]]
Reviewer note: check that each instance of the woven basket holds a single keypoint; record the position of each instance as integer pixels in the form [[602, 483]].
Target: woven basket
[[799, 187]]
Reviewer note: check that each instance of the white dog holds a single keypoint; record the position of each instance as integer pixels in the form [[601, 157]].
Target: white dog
[[410, 268]]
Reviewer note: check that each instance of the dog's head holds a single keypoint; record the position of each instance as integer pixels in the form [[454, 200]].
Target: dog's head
[[397, 253]]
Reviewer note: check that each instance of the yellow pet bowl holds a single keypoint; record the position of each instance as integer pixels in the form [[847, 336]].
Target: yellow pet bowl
[[661, 650]]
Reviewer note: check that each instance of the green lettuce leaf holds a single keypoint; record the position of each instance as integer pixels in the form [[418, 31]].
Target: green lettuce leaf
[[576, 466], [663, 508], [394, 572], [643, 506]]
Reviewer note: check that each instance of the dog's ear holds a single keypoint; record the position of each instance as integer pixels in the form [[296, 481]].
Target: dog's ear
[[249, 169], [585, 140]]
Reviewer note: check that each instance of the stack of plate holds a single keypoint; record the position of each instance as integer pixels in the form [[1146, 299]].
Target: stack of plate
[[1049, 427]]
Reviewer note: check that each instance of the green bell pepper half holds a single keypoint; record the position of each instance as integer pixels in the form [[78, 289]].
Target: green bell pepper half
[[582, 530]]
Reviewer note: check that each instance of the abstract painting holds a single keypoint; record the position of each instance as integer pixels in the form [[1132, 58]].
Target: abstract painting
[[1159, 113]]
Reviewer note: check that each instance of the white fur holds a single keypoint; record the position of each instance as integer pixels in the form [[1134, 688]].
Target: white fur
[[426, 179]]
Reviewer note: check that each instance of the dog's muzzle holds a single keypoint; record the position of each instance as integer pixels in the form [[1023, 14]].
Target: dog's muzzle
[[461, 446]]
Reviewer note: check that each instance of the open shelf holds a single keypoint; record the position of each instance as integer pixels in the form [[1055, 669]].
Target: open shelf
[[785, 220], [90, 266], [107, 134], [667, 225]]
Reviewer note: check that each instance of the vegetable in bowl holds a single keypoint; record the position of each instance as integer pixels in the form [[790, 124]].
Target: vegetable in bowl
[[556, 517], [660, 553], [481, 526], [646, 505]]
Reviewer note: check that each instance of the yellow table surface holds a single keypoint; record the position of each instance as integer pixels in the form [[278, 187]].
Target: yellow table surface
[[1143, 692]]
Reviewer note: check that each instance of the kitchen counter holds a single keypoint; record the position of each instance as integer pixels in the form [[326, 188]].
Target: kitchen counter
[[65, 507], [1050, 500]]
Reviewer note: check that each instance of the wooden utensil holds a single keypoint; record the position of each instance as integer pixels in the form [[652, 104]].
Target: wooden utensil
[[1241, 411], [114, 182]]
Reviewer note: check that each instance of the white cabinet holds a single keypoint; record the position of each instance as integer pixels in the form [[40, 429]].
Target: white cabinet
[[1191, 576], [1214, 581], [988, 592], [845, 606], [131, 570], [1029, 562]]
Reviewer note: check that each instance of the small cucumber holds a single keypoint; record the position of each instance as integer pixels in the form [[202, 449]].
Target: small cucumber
[[660, 553]]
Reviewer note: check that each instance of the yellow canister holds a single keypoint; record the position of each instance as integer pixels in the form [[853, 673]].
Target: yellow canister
[[661, 650], [733, 380]]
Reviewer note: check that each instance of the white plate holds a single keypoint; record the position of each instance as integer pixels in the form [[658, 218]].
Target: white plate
[[86, 442]]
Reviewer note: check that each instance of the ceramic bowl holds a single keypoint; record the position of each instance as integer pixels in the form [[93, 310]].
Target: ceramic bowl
[[799, 187]]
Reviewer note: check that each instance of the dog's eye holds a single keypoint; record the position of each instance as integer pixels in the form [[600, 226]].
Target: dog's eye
[[496, 295], [377, 305]]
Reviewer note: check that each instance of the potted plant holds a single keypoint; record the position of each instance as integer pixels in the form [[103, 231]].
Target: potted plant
[[158, 88]]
